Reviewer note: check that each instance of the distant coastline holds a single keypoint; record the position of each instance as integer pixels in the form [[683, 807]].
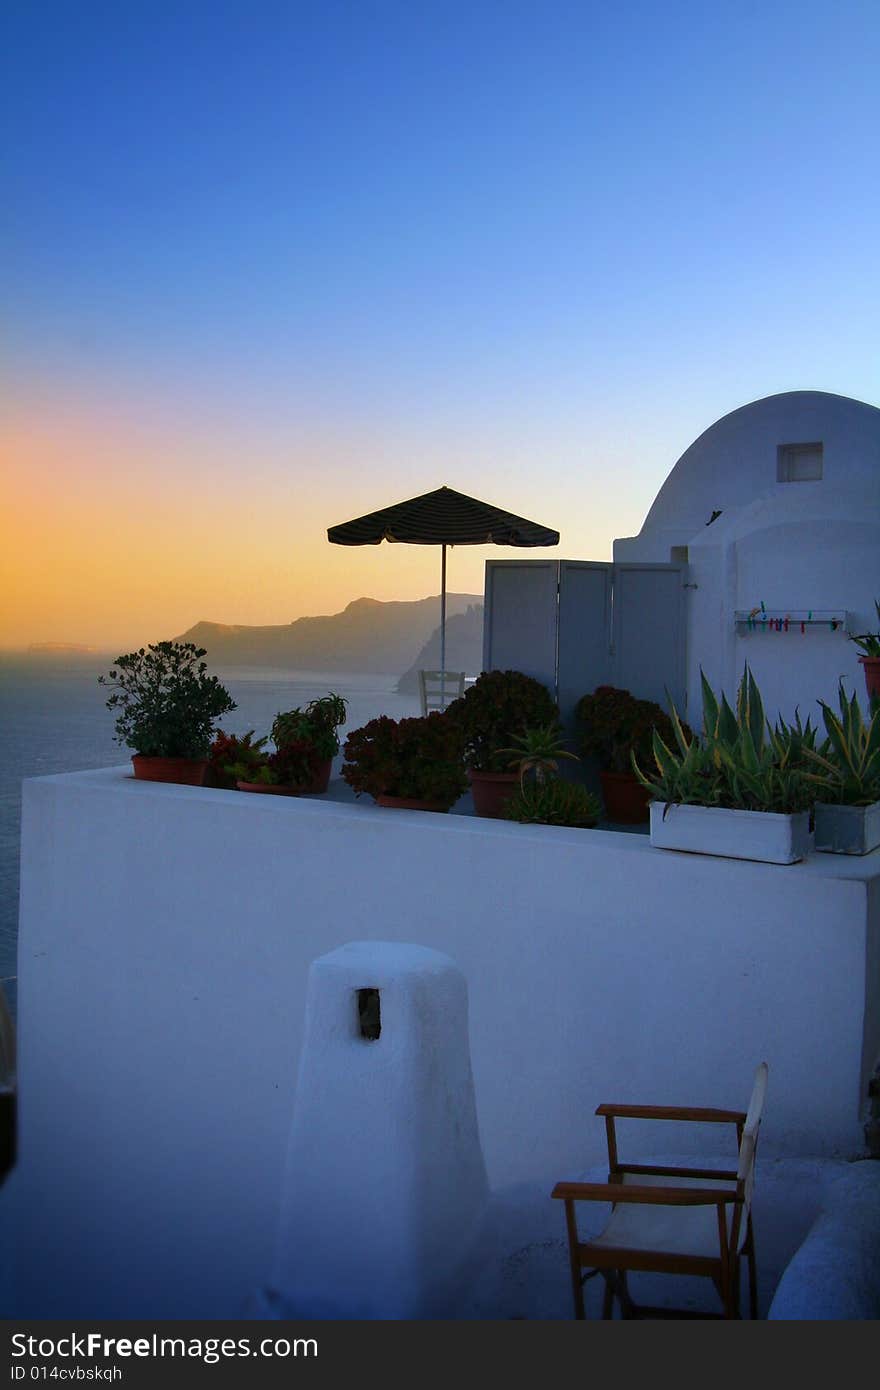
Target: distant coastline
[[57, 648]]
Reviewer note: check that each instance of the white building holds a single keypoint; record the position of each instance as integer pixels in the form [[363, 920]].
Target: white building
[[775, 509]]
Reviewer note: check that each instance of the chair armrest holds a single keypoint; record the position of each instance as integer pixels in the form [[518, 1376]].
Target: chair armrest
[[673, 1112], [646, 1196]]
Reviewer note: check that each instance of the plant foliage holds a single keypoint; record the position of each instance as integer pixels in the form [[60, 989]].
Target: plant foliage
[[553, 802], [615, 725], [538, 750], [233, 757], [737, 762], [416, 758], [166, 703], [317, 723], [497, 708], [847, 767]]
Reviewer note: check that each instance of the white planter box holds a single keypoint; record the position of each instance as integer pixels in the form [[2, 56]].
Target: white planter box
[[847, 829], [764, 835]]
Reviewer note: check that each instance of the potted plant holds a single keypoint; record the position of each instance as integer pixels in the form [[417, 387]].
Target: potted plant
[[847, 773], [739, 790], [615, 727], [310, 735], [869, 644], [499, 706], [229, 755], [542, 798], [305, 744], [167, 706], [411, 763]]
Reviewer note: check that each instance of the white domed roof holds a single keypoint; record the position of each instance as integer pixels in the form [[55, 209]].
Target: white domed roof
[[741, 457]]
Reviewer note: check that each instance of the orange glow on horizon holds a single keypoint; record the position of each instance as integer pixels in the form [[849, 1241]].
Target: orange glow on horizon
[[115, 535]]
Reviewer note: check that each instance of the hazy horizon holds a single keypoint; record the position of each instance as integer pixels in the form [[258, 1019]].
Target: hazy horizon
[[101, 646]]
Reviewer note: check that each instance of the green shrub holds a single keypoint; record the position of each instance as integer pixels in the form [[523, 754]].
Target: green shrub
[[419, 759], [499, 706], [553, 802], [615, 724], [167, 704]]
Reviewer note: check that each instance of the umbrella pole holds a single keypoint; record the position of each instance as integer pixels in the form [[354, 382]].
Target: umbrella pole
[[443, 630]]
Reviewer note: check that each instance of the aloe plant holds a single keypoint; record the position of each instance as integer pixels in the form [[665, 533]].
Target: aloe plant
[[737, 761], [849, 762], [538, 749]]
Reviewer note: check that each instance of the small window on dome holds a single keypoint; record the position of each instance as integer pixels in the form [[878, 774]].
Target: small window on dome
[[799, 463]]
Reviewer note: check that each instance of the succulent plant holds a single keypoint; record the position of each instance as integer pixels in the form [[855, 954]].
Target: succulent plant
[[847, 768], [737, 762]]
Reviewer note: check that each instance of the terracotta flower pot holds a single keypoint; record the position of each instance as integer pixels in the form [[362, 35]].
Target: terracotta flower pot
[[409, 803], [491, 790], [872, 675], [626, 800], [264, 787], [190, 772]]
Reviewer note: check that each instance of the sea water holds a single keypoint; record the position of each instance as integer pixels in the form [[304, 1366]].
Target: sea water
[[53, 718]]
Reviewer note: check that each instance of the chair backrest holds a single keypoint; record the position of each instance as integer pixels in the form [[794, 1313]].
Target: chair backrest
[[437, 689], [745, 1171]]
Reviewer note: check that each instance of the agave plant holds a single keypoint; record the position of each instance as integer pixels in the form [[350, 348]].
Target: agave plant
[[738, 761], [538, 750], [849, 762], [553, 802]]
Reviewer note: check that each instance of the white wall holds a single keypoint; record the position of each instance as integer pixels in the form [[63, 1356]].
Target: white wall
[[796, 555], [166, 934], [800, 546]]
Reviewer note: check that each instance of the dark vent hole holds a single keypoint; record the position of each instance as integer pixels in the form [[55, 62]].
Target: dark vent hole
[[369, 1016]]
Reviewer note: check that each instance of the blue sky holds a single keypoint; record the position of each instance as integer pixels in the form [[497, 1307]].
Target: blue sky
[[531, 250]]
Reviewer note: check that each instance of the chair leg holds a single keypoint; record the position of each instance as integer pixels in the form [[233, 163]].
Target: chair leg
[[578, 1291], [608, 1300], [753, 1273]]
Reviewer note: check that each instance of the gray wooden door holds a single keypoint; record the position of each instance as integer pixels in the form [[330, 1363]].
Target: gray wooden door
[[649, 631], [576, 624], [520, 618], [584, 653]]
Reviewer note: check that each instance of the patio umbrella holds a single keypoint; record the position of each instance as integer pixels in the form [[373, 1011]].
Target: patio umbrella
[[443, 517]]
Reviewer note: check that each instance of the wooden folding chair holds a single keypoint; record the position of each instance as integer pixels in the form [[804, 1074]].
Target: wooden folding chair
[[670, 1220], [437, 689]]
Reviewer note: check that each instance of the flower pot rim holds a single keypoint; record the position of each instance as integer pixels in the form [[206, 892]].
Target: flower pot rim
[[410, 803], [729, 810], [278, 789]]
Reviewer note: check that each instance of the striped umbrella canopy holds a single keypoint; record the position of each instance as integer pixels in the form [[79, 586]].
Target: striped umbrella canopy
[[443, 517]]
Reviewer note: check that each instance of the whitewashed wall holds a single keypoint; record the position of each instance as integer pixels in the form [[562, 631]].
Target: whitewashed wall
[[166, 934], [791, 545]]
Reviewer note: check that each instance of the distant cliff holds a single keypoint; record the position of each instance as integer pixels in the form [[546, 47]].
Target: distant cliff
[[368, 637], [464, 649]]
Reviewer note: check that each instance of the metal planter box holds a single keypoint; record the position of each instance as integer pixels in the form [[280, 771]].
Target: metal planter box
[[847, 829], [767, 836]]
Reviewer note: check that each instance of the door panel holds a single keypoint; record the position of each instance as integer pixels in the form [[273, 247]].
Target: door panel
[[520, 618]]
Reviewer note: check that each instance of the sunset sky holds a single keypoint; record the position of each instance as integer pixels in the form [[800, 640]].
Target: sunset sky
[[267, 266]]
